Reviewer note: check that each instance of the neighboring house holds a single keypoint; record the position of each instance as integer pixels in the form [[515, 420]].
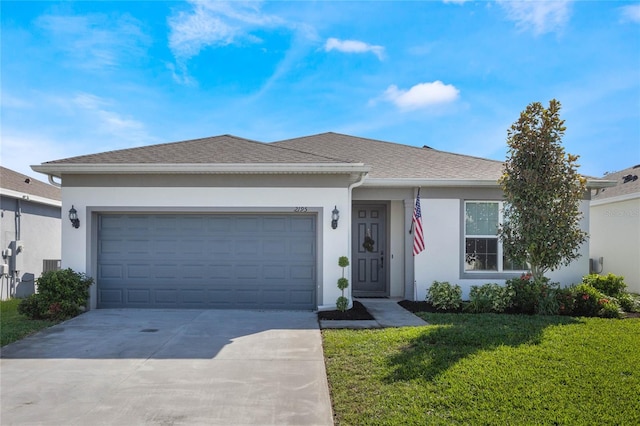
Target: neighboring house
[[30, 223], [229, 222], [615, 227]]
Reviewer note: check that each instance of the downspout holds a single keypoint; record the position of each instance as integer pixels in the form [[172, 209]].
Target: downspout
[[360, 181], [53, 182]]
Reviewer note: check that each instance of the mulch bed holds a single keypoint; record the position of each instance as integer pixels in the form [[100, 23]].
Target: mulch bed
[[423, 307], [358, 312], [428, 307]]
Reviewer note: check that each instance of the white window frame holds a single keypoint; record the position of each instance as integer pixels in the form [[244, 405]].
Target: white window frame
[[500, 252]]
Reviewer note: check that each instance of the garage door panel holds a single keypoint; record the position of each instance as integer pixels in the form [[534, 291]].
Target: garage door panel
[[206, 261], [139, 296], [110, 296]]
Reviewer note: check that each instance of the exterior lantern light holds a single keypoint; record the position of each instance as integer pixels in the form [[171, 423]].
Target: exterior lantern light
[[73, 217], [335, 215]]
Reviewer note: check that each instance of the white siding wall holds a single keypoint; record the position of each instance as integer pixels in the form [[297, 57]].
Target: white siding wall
[[78, 246], [615, 236]]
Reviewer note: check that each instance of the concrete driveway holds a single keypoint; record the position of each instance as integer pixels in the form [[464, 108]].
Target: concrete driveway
[[169, 367]]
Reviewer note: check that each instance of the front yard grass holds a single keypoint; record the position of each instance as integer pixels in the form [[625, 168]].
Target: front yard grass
[[487, 369], [14, 326]]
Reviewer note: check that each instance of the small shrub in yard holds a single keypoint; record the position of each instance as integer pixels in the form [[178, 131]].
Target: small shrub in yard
[[629, 302], [342, 303], [566, 300], [549, 303], [610, 284], [525, 294], [590, 302], [489, 297], [444, 296], [61, 294]]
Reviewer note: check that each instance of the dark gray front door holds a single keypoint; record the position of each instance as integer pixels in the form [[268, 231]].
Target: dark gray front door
[[265, 261], [369, 268]]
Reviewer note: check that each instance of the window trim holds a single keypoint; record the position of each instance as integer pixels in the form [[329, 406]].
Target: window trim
[[500, 273]]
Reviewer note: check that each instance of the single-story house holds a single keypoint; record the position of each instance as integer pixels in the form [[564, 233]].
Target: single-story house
[[228, 222], [615, 227], [31, 232]]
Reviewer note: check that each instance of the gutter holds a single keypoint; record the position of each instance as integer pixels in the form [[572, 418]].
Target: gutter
[[400, 183], [452, 183], [29, 197], [58, 170]]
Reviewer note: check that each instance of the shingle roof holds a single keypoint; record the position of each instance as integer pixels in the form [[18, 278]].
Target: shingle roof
[[628, 183], [391, 160], [24, 184], [225, 149]]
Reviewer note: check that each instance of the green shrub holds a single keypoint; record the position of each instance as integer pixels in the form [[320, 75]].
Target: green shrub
[[610, 284], [525, 293], [549, 301], [629, 302], [489, 297], [444, 296], [61, 294], [590, 302], [33, 306], [566, 300], [609, 309], [342, 303]]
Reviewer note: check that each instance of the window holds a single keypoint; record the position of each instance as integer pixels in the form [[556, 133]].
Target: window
[[483, 249]]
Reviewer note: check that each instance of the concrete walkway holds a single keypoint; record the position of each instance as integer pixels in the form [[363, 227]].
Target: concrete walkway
[[169, 367], [387, 313]]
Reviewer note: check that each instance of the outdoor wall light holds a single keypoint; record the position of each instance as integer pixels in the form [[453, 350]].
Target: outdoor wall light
[[73, 217], [335, 215]]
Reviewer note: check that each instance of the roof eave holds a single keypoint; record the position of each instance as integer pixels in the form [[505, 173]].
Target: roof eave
[[30, 197], [600, 183], [452, 183], [58, 170]]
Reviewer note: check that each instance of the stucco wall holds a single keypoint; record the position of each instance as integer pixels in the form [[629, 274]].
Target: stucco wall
[[40, 234], [615, 236], [441, 259], [78, 246]]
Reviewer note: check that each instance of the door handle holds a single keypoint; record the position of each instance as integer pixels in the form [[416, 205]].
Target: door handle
[[381, 260]]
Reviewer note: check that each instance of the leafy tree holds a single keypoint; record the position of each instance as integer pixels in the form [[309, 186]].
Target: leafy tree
[[542, 190]]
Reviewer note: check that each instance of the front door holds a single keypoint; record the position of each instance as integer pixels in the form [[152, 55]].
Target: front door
[[369, 269]]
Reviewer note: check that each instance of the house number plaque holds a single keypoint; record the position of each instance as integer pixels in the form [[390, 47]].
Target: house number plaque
[[300, 210]]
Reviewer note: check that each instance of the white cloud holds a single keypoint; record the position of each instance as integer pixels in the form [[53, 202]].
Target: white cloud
[[215, 23], [538, 16], [96, 41], [631, 13], [109, 122], [353, 46], [421, 95]]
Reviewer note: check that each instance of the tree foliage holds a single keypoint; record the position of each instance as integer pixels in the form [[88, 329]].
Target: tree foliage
[[542, 189]]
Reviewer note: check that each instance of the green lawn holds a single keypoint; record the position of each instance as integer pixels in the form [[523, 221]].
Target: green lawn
[[14, 326], [487, 369]]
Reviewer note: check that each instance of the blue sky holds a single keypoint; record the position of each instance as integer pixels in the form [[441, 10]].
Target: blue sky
[[85, 77]]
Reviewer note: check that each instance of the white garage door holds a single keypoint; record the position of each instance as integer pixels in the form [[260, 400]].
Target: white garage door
[[207, 261]]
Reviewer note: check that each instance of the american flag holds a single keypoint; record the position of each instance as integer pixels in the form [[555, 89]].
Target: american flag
[[418, 236]]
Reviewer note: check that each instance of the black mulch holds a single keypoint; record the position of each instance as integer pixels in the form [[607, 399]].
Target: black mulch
[[423, 307], [358, 312]]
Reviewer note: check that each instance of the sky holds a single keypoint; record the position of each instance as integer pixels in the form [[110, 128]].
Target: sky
[[86, 77]]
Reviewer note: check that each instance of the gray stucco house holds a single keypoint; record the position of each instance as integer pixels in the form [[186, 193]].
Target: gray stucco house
[[31, 231], [226, 222]]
